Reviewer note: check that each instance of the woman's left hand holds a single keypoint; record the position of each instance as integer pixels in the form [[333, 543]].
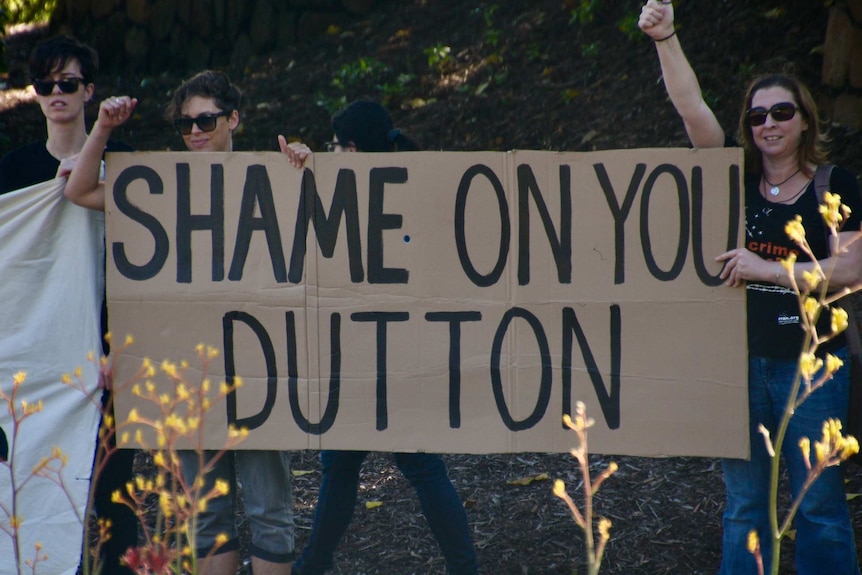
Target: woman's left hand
[[741, 265]]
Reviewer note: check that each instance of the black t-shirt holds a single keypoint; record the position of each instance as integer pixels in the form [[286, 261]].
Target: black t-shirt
[[774, 328], [33, 164]]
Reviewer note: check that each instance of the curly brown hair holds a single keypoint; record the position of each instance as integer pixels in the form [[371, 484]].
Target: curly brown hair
[[207, 84]]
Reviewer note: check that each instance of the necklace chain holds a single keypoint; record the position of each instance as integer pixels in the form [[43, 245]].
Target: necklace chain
[[794, 196], [775, 189]]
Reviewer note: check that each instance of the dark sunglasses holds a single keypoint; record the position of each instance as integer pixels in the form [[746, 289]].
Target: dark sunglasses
[[206, 123], [66, 85], [780, 112]]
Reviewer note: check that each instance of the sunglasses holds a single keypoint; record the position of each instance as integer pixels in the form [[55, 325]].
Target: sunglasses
[[330, 146], [66, 85], [781, 112], [206, 123]]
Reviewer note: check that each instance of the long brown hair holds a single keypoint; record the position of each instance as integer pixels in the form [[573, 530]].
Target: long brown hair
[[812, 146]]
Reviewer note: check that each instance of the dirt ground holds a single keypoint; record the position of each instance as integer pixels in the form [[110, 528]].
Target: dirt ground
[[520, 75]]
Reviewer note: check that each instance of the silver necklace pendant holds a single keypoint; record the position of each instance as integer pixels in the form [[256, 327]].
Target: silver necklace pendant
[[774, 191]]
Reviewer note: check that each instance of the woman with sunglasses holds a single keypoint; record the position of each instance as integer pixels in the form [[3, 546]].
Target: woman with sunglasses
[[780, 134], [367, 127], [205, 112], [63, 71]]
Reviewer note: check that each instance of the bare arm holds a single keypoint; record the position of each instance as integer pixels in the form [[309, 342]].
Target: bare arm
[[84, 187], [680, 81], [845, 267]]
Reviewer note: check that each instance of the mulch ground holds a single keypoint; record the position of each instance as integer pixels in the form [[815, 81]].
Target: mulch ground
[[521, 75]]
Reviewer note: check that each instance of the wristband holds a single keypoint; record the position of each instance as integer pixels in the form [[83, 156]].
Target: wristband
[[668, 37]]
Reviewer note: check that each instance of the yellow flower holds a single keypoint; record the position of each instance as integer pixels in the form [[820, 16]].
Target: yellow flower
[[159, 459], [129, 340], [831, 210], [788, 263], [753, 541], [222, 487], [833, 363], [559, 488], [221, 539], [604, 528], [812, 279], [19, 378], [66, 378], [133, 415], [809, 364], [805, 446], [182, 391], [795, 230], [212, 352], [116, 497], [839, 320], [165, 504], [169, 368], [811, 307]]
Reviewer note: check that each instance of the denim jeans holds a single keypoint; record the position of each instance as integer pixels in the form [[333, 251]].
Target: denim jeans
[[267, 495], [824, 534], [440, 503]]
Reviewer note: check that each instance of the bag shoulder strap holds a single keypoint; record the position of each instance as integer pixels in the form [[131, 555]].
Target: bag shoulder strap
[[822, 177]]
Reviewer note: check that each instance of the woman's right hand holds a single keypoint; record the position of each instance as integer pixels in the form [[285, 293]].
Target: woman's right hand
[[114, 111], [656, 19]]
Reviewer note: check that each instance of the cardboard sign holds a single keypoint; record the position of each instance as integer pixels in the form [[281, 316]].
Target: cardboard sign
[[445, 302]]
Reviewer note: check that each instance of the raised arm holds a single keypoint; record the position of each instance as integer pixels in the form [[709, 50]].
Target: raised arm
[[85, 187], [680, 81]]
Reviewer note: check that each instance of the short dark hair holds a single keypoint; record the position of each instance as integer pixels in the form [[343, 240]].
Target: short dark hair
[[54, 53], [368, 126], [207, 84]]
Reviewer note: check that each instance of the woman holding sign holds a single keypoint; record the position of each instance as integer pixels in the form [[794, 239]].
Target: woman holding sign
[[205, 112], [780, 134], [367, 127]]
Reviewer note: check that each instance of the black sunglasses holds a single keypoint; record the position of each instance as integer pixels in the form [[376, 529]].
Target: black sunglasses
[[206, 123], [780, 112], [67, 86]]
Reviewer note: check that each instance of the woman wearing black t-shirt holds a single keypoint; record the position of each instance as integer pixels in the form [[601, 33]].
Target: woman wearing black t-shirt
[[780, 134]]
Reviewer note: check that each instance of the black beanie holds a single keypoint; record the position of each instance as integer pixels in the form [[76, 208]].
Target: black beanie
[[367, 125]]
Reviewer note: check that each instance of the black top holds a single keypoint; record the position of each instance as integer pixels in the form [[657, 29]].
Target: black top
[[33, 164], [774, 328]]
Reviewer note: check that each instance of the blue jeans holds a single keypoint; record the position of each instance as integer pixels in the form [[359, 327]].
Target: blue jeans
[[267, 495], [440, 503], [824, 534]]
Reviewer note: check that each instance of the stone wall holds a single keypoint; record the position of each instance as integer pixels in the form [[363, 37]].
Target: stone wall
[[842, 63], [154, 35]]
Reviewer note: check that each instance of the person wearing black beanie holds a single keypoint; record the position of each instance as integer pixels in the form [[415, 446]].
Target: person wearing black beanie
[[366, 126]]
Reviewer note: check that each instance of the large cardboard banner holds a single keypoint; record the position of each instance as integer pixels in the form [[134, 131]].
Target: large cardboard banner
[[446, 302], [51, 289]]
